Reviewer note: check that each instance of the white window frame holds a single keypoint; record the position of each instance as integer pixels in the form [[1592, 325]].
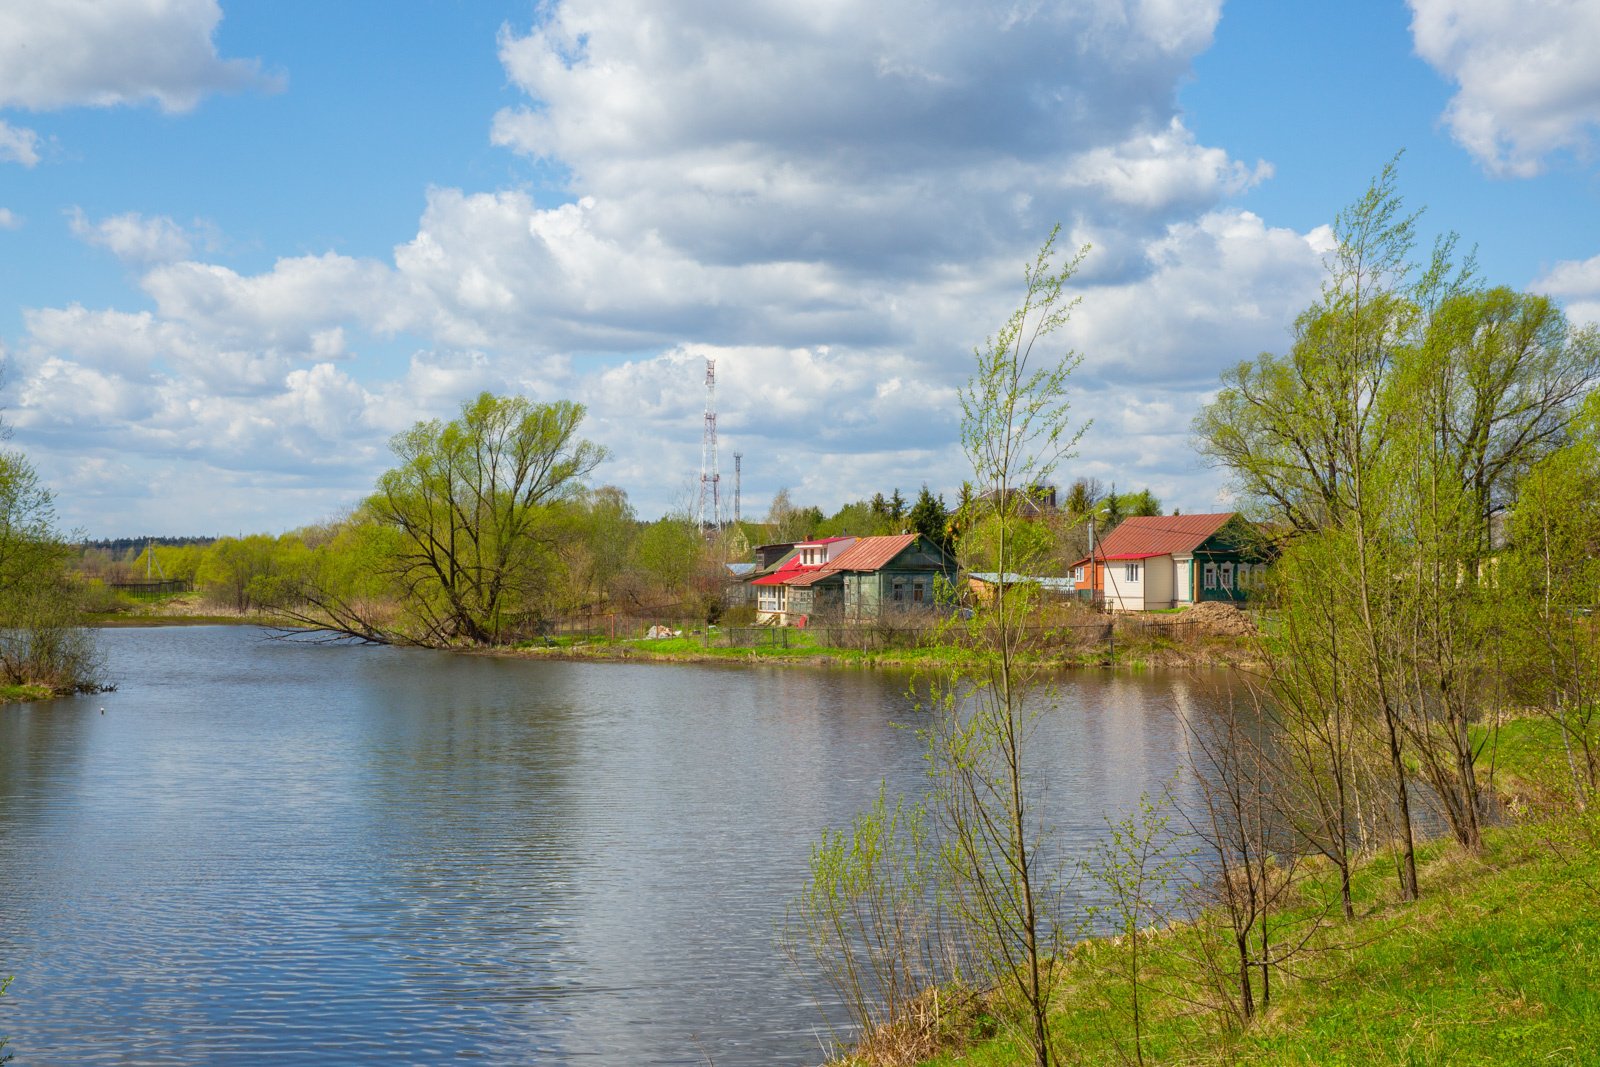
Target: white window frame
[[1225, 576], [1211, 576], [1131, 572]]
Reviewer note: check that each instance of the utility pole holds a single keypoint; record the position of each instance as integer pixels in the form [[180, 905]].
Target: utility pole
[[737, 479]]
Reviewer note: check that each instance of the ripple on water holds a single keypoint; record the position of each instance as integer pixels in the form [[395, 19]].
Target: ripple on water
[[275, 852]]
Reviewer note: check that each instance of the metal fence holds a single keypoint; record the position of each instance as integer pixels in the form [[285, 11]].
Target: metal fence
[[149, 590]]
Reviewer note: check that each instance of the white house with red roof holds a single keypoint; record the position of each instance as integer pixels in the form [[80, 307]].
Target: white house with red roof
[[1154, 562]]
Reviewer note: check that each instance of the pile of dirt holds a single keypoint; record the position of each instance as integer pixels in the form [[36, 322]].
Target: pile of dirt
[[1219, 619]]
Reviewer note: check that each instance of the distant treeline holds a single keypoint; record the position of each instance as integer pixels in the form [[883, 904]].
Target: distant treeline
[[119, 547]]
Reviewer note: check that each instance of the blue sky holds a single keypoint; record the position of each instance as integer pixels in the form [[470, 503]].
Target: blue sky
[[242, 244]]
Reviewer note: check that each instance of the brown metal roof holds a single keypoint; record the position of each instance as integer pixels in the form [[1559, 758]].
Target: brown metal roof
[[1159, 535], [871, 553]]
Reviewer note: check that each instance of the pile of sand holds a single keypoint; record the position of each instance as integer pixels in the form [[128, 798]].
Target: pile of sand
[[1219, 618]]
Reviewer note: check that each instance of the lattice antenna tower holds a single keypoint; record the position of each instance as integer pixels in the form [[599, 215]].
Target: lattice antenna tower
[[710, 480], [737, 479]]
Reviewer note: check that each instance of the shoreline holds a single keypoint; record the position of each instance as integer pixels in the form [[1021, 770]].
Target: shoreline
[[1208, 651], [1219, 652]]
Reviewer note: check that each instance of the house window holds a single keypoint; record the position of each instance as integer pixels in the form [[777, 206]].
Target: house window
[[1227, 576], [1077, 574], [1132, 572], [1211, 575], [899, 588], [916, 592]]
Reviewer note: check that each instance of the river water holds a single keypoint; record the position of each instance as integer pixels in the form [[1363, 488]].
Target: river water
[[263, 851]]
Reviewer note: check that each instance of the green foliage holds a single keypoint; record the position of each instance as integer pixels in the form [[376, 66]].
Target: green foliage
[[1552, 627], [867, 918], [5, 1057], [1139, 869], [241, 573], [1498, 968], [1024, 540], [791, 522], [1143, 502], [929, 518], [42, 641], [473, 502], [858, 519], [599, 544], [669, 552]]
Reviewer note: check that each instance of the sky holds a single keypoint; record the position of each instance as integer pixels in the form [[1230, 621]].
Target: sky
[[243, 244]]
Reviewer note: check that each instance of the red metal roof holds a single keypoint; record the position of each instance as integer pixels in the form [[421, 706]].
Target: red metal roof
[[1143, 536], [789, 570]]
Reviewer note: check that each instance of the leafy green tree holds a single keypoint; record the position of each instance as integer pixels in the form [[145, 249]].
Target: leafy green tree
[[1083, 497], [1554, 560], [793, 523], [1142, 503], [1402, 418], [855, 519], [472, 502], [929, 517], [668, 553], [1112, 513], [599, 546], [42, 641], [239, 572], [896, 506], [1014, 536]]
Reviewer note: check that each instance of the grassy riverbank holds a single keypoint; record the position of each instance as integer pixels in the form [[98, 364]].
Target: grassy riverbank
[[1498, 963], [800, 647], [180, 609], [16, 694]]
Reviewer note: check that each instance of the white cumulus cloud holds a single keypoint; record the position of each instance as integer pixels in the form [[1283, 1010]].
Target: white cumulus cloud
[[18, 145], [1576, 283], [65, 53], [131, 237], [1528, 85], [833, 200]]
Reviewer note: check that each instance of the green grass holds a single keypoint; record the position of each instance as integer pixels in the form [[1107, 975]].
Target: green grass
[[18, 693], [802, 646], [1498, 963]]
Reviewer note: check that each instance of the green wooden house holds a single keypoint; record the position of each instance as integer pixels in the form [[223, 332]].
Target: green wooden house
[[872, 577]]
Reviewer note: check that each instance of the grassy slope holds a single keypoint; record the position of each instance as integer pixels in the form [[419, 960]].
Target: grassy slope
[[18, 693], [1499, 963]]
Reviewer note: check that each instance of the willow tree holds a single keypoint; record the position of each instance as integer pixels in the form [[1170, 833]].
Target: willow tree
[[471, 503]]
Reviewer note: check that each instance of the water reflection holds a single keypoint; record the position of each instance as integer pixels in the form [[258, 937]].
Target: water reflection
[[347, 855]]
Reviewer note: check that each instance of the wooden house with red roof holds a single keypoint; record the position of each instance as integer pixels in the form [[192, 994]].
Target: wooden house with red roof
[[1153, 562], [853, 578]]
